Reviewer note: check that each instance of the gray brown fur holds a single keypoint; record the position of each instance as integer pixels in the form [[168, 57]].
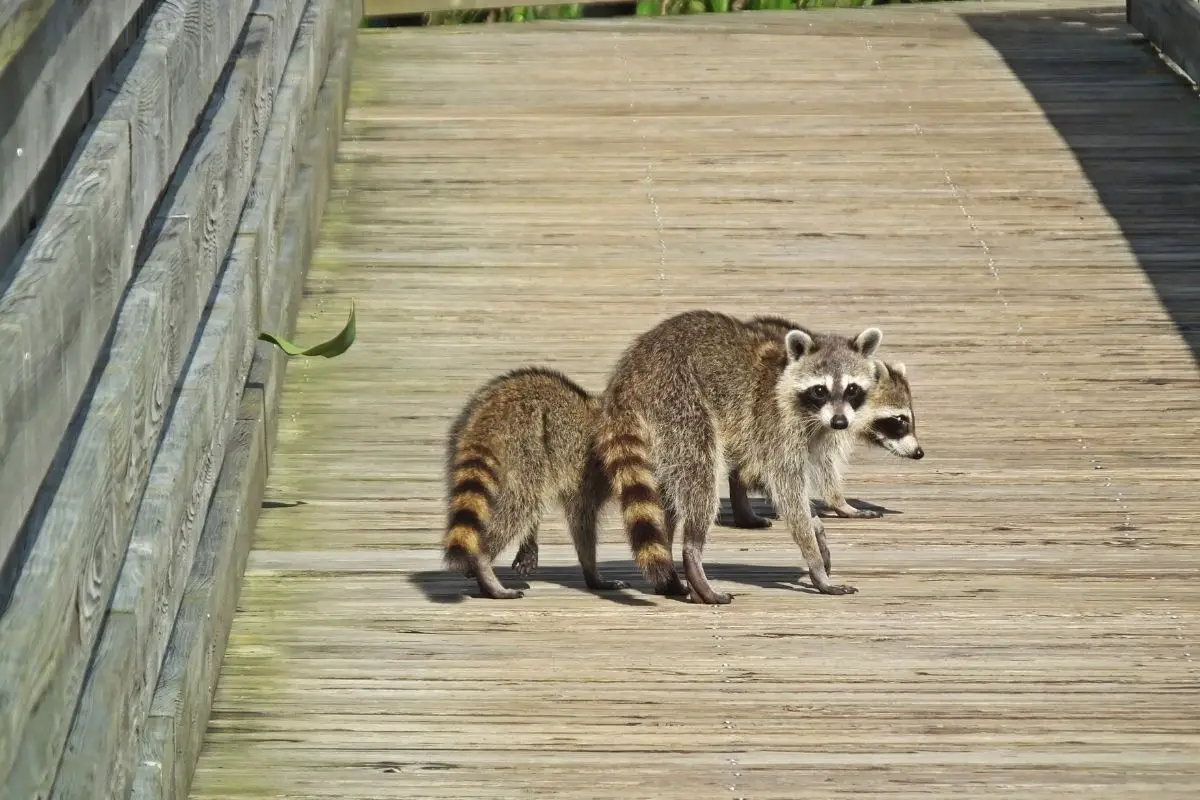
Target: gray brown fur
[[702, 391], [523, 439], [890, 392]]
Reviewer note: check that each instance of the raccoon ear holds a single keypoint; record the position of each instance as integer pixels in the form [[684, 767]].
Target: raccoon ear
[[868, 341], [898, 368], [880, 367], [799, 344]]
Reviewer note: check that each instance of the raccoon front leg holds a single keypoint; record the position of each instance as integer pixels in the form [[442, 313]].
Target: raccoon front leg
[[739, 500], [822, 545], [827, 477], [792, 501], [581, 519]]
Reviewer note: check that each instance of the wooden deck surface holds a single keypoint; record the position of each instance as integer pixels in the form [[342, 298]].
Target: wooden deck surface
[[1007, 189]]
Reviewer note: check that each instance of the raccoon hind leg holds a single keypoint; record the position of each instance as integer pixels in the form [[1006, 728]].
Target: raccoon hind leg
[[691, 483], [581, 519], [516, 514]]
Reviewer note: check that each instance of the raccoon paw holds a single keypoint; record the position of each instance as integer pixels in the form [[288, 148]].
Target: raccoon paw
[[835, 589], [717, 599], [750, 521], [850, 512], [672, 587], [526, 561], [606, 585], [506, 594]]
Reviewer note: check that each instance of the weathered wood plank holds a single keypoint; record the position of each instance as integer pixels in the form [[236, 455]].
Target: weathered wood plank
[[179, 713], [152, 340], [53, 320], [68, 50], [122, 677], [189, 674], [112, 709], [37, 351], [285, 141], [1174, 27]]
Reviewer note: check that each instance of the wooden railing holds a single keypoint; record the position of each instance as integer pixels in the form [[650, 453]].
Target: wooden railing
[[163, 171]]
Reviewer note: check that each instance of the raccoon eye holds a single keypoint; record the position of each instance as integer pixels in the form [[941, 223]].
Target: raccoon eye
[[854, 392], [819, 393], [896, 427]]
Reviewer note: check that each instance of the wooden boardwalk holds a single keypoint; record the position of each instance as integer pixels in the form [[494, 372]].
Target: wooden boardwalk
[[1007, 189]]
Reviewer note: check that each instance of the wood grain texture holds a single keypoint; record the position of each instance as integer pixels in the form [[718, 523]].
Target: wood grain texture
[[54, 324], [102, 744], [74, 556], [179, 713], [284, 141], [1174, 27], [189, 674], [53, 320], [1028, 613], [51, 74], [101, 747]]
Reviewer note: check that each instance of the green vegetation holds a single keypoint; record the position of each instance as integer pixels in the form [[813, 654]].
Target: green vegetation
[[644, 8], [329, 349]]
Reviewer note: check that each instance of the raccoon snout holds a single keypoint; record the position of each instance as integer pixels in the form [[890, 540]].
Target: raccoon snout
[[918, 454], [839, 422]]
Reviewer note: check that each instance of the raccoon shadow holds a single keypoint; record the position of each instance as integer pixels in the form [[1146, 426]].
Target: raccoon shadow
[[443, 586], [1141, 156], [764, 508]]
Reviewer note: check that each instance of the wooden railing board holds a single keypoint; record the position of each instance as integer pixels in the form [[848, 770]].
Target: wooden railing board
[[121, 681], [54, 323], [62, 60], [103, 740], [174, 732], [42, 620]]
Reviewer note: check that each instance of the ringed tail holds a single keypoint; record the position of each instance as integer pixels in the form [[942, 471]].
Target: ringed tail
[[623, 451], [470, 506]]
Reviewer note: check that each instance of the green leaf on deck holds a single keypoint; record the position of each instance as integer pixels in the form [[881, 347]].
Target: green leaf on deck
[[334, 347]]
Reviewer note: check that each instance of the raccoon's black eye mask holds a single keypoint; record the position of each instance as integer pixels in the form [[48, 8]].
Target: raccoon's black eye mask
[[855, 395], [892, 427], [814, 397]]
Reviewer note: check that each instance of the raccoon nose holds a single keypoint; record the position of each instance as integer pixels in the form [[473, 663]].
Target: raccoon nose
[[839, 423], [918, 454]]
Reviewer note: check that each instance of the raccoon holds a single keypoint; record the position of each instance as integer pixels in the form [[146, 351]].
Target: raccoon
[[885, 420], [702, 390], [525, 437]]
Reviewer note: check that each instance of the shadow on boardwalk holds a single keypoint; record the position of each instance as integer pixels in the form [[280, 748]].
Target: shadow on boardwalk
[[1141, 155], [441, 586]]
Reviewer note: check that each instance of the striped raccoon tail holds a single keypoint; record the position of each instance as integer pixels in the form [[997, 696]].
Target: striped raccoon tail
[[623, 449], [475, 481]]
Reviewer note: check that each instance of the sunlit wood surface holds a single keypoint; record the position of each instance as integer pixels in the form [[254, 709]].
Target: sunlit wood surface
[[1007, 189]]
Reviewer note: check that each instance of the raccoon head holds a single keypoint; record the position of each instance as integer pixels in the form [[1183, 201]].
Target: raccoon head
[[827, 377], [887, 420]]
